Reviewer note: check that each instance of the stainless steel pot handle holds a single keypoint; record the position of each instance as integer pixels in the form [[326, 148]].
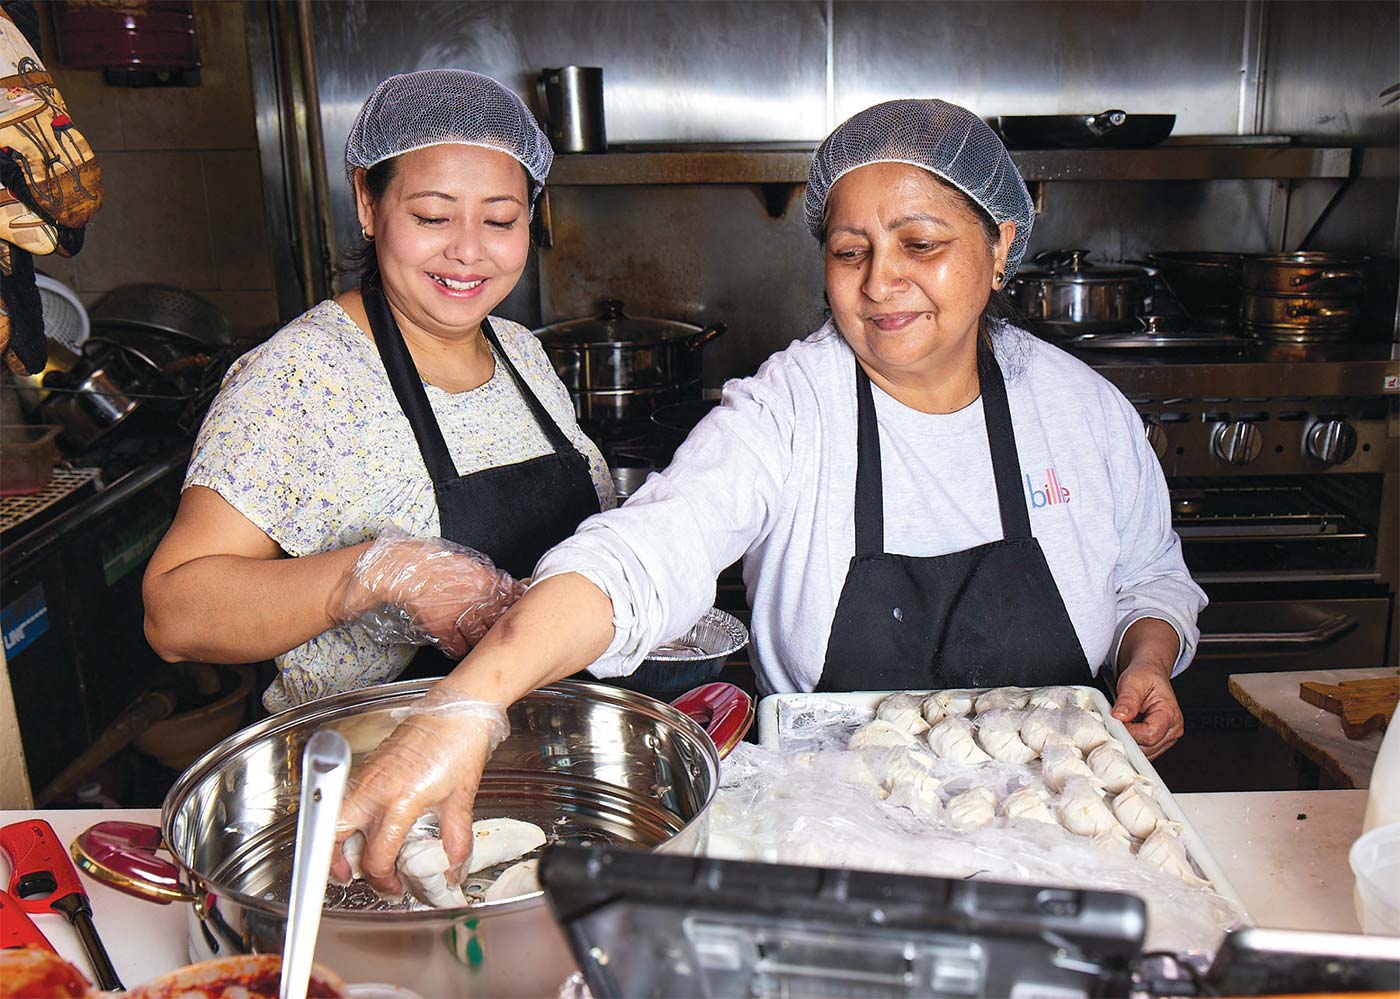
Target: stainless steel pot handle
[[1329, 630], [705, 336], [1312, 277], [1318, 312]]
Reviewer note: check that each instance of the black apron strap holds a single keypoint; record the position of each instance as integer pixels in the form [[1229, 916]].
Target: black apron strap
[[556, 437], [1001, 440], [406, 383], [870, 490]]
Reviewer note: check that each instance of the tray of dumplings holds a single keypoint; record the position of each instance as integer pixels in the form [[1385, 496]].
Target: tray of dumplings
[[1058, 755]]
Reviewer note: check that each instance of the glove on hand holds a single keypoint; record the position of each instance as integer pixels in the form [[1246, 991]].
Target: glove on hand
[[425, 591]]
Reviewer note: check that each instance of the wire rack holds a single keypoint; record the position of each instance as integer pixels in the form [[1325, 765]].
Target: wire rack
[[16, 510]]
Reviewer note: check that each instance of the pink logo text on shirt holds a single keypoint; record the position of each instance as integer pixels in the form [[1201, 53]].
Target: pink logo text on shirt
[[1051, 493]]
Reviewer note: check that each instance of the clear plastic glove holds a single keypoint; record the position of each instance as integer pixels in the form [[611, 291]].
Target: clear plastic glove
[[432, 762], [425, 591]]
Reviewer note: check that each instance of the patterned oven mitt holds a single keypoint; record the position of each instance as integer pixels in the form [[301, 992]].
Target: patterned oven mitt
[[50, 187]]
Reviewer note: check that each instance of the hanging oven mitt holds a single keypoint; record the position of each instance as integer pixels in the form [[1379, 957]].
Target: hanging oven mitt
[[50, 187]]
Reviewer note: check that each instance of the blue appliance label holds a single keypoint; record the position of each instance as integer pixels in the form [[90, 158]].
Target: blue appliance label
[[24, 620]]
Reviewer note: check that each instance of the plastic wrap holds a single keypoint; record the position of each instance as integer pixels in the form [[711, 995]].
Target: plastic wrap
[[431, 762], [815, 802], [425, 591]]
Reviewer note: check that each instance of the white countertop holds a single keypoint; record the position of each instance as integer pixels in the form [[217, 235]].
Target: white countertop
[[1291, 872], [1317, 734]]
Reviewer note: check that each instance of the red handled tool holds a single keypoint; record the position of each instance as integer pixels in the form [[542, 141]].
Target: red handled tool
[[16, 928], [42, 879]]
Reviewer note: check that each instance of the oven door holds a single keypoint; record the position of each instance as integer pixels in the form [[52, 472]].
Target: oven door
[[1267, 636]]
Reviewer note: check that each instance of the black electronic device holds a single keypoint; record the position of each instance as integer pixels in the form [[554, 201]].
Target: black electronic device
[[1271, 962], [649, 924]]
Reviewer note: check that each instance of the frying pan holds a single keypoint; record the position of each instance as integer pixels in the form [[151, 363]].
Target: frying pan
[[1110, 129]]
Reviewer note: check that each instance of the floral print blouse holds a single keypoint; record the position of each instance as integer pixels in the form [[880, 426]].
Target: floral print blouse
[[307, 441]]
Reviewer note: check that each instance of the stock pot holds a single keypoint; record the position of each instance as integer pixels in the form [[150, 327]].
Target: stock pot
[[585, 762], [1303, 297], [1066, 294], [621, 367]]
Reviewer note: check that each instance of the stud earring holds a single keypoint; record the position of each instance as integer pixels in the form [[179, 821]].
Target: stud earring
[[367, 237], [1000, 278]]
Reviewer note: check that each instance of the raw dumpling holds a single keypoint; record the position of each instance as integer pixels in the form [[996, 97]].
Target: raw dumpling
[[1002, 742], [1083, 812], [919, 794], [354, 851], [1059, 697], [904, 711], [1027, 803], [1085, 730], [521, 879], [1112, 767], [1000, 698], [1137, 811], [1040, 726], [1063, 762], [972, 809], [1115, 841], [1164, 849], [953, 702], [933, 709], [422, 867], [952, 739], [494, 841], [911, 763], [877, 733]]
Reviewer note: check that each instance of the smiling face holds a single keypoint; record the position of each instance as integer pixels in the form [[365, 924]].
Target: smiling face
[[908, 273], [451, 233]]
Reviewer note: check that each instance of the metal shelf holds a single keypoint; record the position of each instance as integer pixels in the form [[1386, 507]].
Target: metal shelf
[[787, 166]]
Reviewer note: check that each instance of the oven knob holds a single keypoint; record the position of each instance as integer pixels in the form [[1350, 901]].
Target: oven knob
[[1331, 441], [1156, 436], [1236, 443]]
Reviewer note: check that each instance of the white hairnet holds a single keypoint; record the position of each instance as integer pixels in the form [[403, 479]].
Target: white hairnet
[[435, 107], [944, 139]]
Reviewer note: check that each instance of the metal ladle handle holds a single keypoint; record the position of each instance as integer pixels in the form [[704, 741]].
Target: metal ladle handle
[[325, 768]]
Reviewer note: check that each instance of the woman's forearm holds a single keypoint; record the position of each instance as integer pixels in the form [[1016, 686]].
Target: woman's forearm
[[557, 628], [236, 609], [1149, 641]]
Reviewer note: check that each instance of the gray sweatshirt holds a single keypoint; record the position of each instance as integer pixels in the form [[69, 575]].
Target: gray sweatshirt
[[769, 476]]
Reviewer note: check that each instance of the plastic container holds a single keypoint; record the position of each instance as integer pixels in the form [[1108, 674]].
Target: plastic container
[[1383, 803], [1375, 860], [27, 457]]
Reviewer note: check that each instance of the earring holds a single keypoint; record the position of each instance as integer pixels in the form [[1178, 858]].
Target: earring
[[367, 237], [1000, 276]]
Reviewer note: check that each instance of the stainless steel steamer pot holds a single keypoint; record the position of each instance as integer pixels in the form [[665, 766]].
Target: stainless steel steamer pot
[[1067, 295], [621, 367], [586, 762]]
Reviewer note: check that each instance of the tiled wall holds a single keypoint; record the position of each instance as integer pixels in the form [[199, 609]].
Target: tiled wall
[[184, 202]]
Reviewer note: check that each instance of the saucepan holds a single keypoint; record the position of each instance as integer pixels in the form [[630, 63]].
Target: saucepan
[[1112, 128], [585, 762]]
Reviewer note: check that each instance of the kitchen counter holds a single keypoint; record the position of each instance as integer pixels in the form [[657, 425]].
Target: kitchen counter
[[1285, 852]]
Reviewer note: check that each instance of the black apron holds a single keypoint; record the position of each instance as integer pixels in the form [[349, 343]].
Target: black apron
[[513, 513], [989, 616]]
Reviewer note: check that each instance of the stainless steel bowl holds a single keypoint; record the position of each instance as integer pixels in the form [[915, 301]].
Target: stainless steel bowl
[[585, 762]]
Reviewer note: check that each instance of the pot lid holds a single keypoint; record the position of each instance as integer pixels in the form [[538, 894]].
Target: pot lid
[[1074, 267], [613, 326], [1307, 259]]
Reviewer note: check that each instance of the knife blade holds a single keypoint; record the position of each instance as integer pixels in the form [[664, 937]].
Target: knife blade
[[16, 928], [43, 879]]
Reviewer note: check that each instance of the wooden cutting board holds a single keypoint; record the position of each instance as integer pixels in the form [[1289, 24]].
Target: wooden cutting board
[[1363, 705]]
